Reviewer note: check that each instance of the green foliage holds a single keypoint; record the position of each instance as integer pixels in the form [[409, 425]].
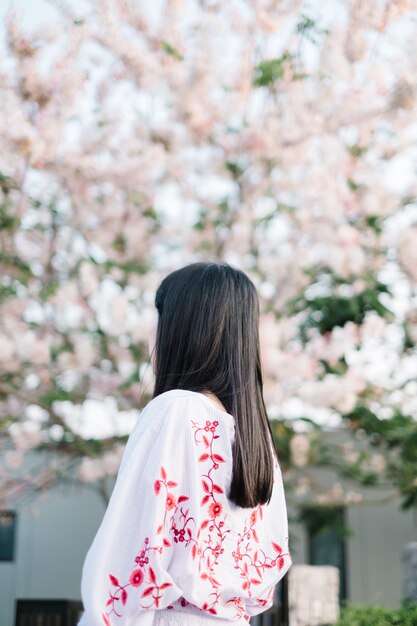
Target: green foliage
[[353, 186], [313, 425], [299, 76], [7, 221], [6, 183], [169, 49], [119, 242], [57, 394], [332, 310], [397, 438], [318, 518], [267, 72], [234, 168], [135, 378], [374, 222], [203, 217], [394, 431], [282, 433], [366, 615], [6, 291], [130, 267], [266, 220], [407, 200], [356, 150], [88, 447], [21, 269], [410, 498], [151, 213], [407, 340], [357, 470], [137, 352], [338, 368], [309, 28], [49, 289], [318, 454], [223, 214]]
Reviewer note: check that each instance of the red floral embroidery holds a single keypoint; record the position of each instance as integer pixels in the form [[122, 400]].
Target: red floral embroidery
[[154, 588], [181, 601], [206, 545], [210, 548], [137, 576], [237, 602], [267, 599], [256, 561], [105, 619]]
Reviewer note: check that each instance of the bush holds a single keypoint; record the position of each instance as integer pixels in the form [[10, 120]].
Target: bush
[[365, 615]]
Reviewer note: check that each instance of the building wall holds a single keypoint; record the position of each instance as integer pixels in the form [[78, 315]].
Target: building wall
[[50, 548], [374, 553]]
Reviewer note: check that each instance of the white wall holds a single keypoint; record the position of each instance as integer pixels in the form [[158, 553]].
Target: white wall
[[374, 553], [50, 548]]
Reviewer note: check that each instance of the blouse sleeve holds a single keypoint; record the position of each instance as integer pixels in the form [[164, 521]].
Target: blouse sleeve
[[275, 538], [144, 555]]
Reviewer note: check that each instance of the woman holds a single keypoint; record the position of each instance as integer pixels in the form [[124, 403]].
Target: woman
[[196, 529]]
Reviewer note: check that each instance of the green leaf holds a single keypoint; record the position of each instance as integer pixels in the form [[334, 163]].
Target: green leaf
[[306, 23], [374, 222], [169, 49], [407, 341], [353, 186], [315, 426], [356, 150], [7, 221], [119, 242], [234, 168], [128, 266], [299, 76], [6, 183], [7, 291], [266, 72], [308, 28], [151, 213], [340, 368], [12, 260]]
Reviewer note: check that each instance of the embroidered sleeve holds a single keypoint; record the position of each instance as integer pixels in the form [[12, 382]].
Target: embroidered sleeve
[[162, 533], [274, 562]]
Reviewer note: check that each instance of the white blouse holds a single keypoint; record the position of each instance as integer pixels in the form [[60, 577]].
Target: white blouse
[[170, 541]]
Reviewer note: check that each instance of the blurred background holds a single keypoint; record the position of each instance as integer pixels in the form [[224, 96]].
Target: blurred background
[[137, 136]]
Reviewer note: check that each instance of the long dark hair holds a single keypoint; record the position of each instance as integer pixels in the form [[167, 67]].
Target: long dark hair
[[207, 339]]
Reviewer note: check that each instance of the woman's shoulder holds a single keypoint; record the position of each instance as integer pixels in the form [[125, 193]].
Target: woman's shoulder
[[186, 397], [170, 398], [182, 408], [171, 403]]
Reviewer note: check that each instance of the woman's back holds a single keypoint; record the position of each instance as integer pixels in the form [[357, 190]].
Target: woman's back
[[171, 543]]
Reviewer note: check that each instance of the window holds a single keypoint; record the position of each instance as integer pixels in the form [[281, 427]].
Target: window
[[7, 535], [326, 532]]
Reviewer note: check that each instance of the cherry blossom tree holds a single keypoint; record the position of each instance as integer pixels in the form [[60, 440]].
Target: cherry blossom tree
[[268, 134]]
